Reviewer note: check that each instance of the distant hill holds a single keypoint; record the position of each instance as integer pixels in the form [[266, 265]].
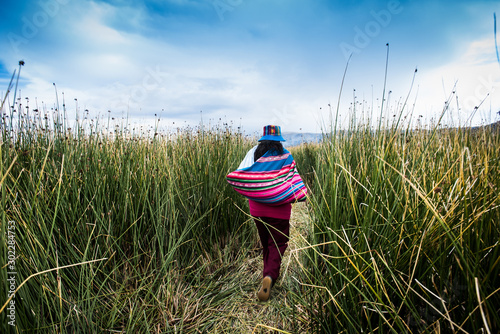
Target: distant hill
[[295, 138], [492, 127]]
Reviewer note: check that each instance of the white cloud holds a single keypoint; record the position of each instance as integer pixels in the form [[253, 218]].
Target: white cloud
[[225, 70], [477, 77]]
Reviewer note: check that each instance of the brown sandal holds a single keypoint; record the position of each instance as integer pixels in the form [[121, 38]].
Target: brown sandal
[[265, 289]]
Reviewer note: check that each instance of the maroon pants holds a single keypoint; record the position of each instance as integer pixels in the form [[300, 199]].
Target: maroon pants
[[274, 234]]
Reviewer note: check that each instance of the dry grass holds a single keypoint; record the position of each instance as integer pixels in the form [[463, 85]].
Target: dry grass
[[242, 312]]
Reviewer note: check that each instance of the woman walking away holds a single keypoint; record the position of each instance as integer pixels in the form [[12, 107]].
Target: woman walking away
[[267, 176]]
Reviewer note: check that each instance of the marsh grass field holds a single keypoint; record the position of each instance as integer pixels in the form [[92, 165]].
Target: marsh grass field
[[123, 233]]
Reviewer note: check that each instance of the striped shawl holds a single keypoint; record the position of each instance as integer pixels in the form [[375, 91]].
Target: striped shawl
[[272, 180]]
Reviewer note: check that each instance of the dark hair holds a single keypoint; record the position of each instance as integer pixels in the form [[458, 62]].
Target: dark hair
[[268, 145]]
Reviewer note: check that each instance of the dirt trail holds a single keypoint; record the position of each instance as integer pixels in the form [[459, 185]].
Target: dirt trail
[[275, 316]]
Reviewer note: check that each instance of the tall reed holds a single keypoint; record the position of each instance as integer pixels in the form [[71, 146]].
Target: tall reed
[[153, 212], [405, 232], [118, 231]]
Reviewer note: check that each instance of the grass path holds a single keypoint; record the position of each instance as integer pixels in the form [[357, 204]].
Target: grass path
[[239, 311]]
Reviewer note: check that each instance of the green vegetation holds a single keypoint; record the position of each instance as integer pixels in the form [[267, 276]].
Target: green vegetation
[[116, 232], [405, 232], [155, 214]]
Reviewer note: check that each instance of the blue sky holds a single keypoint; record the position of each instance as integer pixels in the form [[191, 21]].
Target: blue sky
[[256, 62]]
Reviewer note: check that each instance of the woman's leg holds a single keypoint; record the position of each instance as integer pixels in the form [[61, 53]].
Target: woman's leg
[[274, 235]]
